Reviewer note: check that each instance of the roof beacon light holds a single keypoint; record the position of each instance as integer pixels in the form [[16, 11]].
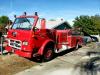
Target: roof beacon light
[[25, 13], [14, 16], [36, 14]]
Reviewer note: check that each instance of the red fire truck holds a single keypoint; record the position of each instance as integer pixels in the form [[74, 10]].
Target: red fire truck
[[28, 37]]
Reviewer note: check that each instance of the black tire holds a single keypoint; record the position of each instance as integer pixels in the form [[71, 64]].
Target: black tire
[[48, 54]]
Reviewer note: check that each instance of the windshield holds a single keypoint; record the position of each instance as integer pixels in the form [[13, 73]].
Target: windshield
[[23, 23]]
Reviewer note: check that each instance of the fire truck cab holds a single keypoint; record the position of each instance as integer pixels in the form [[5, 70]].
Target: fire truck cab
[[28, 37]]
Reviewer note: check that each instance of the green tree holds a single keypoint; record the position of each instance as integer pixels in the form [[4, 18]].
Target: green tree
[[86, 23], [96, 20], [4, 20]]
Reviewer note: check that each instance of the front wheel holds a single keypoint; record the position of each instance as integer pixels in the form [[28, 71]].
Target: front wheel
[[48, 54]]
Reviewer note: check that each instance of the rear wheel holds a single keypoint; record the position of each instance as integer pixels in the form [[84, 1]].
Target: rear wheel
[[48, 54]]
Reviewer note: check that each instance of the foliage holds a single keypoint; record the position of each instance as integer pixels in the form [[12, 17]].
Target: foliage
[[96, 20], [4, 21], [90, 24]]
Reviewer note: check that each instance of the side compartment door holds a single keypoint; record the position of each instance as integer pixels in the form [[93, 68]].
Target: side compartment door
[[75, 37], [61, 38]]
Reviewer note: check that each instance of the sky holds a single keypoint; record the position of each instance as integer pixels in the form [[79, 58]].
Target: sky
[[50, 9]]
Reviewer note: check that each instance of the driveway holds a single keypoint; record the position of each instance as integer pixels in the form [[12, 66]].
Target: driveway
[[71, 63]]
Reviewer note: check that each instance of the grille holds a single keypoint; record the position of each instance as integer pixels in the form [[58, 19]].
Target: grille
[[15, 44]]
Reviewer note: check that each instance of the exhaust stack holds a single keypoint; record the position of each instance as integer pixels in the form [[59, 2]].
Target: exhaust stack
[[43, 24]]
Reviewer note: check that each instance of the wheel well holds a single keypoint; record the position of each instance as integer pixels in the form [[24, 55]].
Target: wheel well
[[47, 50], [50, 44]]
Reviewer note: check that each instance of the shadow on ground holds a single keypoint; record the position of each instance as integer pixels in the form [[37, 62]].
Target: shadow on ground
[[92, 66], [38, 60]]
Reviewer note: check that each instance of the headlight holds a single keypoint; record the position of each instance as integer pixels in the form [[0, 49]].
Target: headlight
[[25, 43]]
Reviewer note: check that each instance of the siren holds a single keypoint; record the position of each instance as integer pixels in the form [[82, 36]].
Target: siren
[[14, 16], [36, 14], [25, 13]]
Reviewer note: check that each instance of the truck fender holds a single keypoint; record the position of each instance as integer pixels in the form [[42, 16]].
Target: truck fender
[[40, 51]]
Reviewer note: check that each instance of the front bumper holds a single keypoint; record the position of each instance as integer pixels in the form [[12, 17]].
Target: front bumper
[[19, 52]]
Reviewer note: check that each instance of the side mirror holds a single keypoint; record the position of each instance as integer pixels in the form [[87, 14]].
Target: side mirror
[[35, 29]]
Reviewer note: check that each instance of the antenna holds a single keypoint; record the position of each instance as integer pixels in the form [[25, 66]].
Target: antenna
[[11, 4]]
